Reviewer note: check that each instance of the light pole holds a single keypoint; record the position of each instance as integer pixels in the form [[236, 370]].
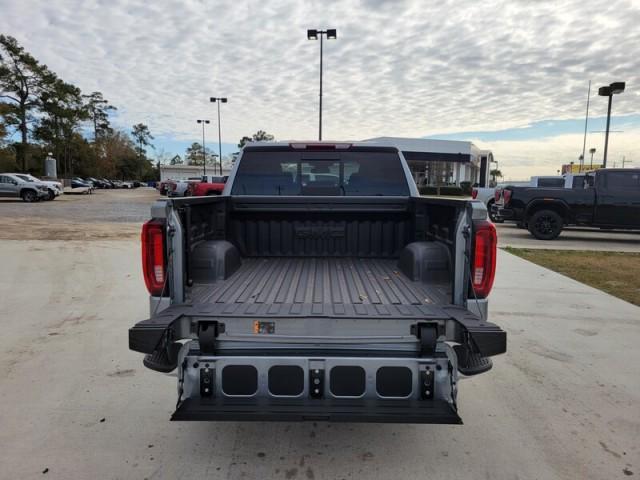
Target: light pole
[[204, 152], [592, 151], [609, 91], [219, 100], [312, 34]]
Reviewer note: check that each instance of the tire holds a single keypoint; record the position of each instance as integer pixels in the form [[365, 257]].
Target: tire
[[52, 195], [492, 216], [29, 196], [545, 225]]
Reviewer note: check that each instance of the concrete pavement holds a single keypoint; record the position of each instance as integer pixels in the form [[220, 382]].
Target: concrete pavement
[[573, 238], [564, 402]]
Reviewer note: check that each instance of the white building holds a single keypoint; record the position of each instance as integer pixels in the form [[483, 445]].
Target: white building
[[186, 172], [443, 162]]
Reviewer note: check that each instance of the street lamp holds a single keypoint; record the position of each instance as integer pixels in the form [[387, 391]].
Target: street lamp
[[313, 34], [592, 151], [609, 91], [219, 100], [204, 152]]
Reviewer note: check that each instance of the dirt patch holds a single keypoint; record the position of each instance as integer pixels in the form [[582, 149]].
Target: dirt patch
[[122, 373], [41, 229]]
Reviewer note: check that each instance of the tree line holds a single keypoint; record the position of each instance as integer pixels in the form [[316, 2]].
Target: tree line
[[49, 115]]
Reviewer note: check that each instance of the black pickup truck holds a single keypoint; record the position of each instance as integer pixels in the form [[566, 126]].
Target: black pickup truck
[[610, 199], [319, 286]]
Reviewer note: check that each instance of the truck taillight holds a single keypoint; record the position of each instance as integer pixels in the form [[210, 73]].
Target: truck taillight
[[474, 193], [506, 193], [496, 195], [483, 269], [154, 265]]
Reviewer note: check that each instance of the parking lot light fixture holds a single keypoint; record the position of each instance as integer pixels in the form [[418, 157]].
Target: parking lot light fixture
[[609, 91], [313, 34], [204, 152], [219, 100]]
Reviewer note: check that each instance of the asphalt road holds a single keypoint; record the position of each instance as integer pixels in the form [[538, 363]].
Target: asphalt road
[[573, 238], [76, 403]]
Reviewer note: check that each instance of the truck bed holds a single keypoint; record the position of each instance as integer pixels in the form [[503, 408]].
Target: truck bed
[[320, 287]]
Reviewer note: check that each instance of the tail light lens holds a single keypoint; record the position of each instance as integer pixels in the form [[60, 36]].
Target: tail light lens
[[506, 193], [483, 269], [154, 264], [496, 195], [474, 193]]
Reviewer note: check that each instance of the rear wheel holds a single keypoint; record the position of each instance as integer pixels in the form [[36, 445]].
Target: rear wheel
[[545, 225], [29, 196]]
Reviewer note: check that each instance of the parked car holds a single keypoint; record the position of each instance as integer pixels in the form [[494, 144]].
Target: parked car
[[97, 183], [609, 199], [78, 182], [12, 185], [179, 188], [53, 188], [486, 195], [209, 185], [290, 300]]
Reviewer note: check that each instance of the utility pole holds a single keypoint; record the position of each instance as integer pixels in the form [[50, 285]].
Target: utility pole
[[313, 34], [586, 121], [204, 151], [219, 100]]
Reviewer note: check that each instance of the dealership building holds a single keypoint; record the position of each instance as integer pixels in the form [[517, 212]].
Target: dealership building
[[443, 162]]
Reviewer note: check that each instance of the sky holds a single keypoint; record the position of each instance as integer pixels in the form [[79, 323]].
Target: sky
[[511, 76]]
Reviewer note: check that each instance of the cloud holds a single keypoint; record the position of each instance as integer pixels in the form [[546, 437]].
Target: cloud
[[520, 159], [406, 68]]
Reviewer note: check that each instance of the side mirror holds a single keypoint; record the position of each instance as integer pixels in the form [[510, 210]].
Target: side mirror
[[15, 182]]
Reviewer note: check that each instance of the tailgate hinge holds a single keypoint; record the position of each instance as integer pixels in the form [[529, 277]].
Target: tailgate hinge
[[427, 333], [208, 331]]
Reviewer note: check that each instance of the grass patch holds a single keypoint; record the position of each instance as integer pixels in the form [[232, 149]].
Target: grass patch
[[616, 273]]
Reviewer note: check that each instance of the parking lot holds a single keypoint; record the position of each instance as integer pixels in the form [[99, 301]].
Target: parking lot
[[105, 214], [76, 403]]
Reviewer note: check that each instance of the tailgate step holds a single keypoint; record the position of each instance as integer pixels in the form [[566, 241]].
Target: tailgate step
[[371, 411]]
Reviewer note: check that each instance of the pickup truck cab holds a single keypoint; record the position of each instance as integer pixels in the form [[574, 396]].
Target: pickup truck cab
[[209, 185], [319, 286], [608, 199]]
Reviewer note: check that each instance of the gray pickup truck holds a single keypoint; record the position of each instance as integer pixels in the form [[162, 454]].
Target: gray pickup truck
[[318, 286]]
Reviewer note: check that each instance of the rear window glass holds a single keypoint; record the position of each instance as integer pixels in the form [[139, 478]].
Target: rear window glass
[[551, 182], [353, 173]]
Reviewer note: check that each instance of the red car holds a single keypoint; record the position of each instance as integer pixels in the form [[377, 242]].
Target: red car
[[210, 185]]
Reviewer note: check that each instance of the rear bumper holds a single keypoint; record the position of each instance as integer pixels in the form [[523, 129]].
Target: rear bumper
[[351, 410]]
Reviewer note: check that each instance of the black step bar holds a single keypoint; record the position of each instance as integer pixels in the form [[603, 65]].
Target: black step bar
[[306, 409]]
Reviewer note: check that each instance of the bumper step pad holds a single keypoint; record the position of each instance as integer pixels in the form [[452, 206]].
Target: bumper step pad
[[370, 411]]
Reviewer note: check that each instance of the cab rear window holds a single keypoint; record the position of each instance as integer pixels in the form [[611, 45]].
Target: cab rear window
[[351, 173]]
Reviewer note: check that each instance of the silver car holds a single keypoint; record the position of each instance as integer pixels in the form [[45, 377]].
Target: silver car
[[54, 188], [30, 191]]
